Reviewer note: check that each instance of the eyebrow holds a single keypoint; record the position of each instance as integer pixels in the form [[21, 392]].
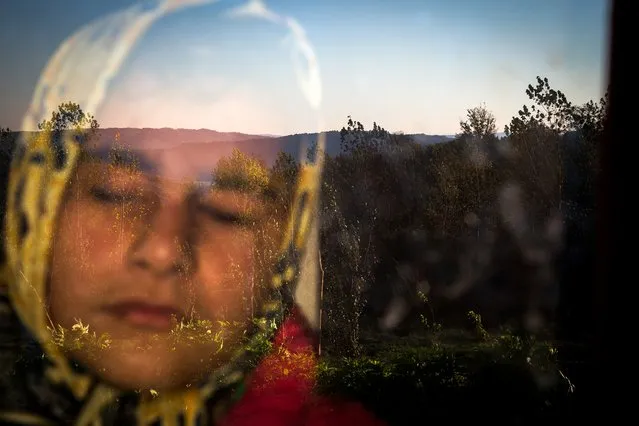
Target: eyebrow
[[241, 183], [127, 157], [120, 157]]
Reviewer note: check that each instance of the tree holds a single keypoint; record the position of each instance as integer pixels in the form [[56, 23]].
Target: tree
[[560, 141], [241, 171], [285, 167], [69, 116], [283, 176], [551, 110], [480, 123], [558, 165], [355, 139]]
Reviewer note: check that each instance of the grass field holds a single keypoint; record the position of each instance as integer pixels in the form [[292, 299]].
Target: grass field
[[455, 377]]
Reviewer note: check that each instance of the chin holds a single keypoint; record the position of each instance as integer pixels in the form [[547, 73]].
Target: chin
[[143, 369]]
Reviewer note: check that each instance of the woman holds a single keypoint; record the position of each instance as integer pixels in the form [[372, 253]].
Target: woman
[[138, 292]]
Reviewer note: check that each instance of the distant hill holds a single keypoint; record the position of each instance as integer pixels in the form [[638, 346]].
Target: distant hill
[[423, 139], [197, 146], [266, 148], [169, 138]]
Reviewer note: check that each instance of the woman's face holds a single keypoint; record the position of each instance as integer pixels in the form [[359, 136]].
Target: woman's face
[[138, 246]]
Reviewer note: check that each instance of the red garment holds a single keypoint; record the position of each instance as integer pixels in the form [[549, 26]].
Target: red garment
[[280, 391]]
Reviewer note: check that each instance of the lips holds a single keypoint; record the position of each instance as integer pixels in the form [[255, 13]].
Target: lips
[[144, 315]]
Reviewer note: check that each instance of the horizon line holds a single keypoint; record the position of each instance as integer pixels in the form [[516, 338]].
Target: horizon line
[[269, 135]]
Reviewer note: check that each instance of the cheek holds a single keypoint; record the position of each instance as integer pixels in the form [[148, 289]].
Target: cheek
[[82, 252], [94, 237], [224, 278]]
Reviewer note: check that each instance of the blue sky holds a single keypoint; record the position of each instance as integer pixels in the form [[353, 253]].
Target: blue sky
[[410, 65]]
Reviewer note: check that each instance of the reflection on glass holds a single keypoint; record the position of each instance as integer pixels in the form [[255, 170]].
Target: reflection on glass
[[161, 262]]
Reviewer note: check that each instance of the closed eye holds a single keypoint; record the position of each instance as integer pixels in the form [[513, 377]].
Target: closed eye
[[223, 216], [108, 196]]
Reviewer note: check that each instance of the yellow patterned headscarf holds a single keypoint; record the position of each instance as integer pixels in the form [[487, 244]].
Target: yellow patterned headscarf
[[39, 175]]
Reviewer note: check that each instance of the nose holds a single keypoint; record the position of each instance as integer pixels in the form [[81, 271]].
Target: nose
[[163, 247]]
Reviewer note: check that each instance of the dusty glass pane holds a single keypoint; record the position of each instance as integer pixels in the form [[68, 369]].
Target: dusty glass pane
[[230, 212]]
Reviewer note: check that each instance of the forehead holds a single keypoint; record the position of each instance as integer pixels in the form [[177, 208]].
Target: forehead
[[198, 162]]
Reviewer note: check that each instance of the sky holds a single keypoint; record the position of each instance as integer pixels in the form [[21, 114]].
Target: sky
[[414, 66]]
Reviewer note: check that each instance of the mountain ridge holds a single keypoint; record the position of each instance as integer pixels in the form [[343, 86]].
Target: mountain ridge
[[199, 145]]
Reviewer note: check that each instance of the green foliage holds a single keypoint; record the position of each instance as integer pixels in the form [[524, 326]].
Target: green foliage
[[429, 322], [480, 123], [282, 177], [69, 116], [382, 185], [537, 137], [475, 320], [260, 345], [241, 171], [355, 139], [552, 110], [403, 382]]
